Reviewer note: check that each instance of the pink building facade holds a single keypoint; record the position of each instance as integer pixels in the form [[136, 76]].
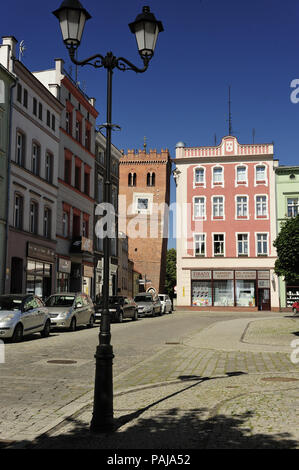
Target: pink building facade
[[225, 226]]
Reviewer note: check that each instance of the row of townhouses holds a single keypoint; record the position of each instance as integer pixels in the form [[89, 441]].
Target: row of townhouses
[[231, 201], [52, 167]]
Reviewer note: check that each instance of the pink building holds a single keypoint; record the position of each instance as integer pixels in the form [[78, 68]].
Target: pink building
[[225, 226]]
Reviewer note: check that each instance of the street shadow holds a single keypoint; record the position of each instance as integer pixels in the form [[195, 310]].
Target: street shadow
[[174, 428]]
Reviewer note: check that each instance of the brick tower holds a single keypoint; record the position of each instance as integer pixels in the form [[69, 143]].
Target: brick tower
[[144, 190]]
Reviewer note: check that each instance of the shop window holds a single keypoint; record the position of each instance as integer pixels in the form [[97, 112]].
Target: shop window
[[38, 278], [245, 293], [223, 293], [201, 293]]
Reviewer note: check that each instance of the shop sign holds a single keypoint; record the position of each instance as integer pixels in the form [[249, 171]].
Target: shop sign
[[64, 265], [223, 275], [263, 274], [86, 244], [87, 271], [245, 275], [264, 284], [292, 295], [42, 253], [200, 275], [80, 244]]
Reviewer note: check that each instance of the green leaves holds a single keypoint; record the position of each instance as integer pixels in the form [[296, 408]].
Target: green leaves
[[287, 246]]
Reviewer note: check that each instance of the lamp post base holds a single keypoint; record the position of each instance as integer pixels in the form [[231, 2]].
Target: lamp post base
[[102, 420]]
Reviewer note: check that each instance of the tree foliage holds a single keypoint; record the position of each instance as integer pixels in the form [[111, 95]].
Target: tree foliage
[[287, 246], [170, 280]]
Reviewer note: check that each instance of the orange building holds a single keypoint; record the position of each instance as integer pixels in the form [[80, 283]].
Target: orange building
[[144, 193]]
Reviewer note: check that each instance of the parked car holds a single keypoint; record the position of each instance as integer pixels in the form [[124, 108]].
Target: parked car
[[21, 315], [166, 303], [295, 307], [148, 305], [120, 307], [70, 309]]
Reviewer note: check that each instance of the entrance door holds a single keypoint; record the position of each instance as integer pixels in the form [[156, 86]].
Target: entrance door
[[264, 299], [16, 276]]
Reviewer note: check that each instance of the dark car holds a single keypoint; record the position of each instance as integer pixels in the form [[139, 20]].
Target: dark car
[[295, 307], [120, 307]]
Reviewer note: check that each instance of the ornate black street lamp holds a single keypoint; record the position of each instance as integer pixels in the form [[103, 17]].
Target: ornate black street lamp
[[72, 17]]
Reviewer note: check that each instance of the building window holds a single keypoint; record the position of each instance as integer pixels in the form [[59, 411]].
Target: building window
[[242, 206], [20, 156], [223, 293], [200, 244], [241, 174], [47, 223], [87, 139], [293, 206], [100, 155], [65, 224], [261, 208], [218, 207], [34, 106], [87, 182], [201, 293], [217, 176], [260, 174], [40, 111], [85, 228], [35, 160], [48, 118], [68, 170], [76, 225], [245, 293], [142, 204], [49, 167], [78, 176], [78, 131], [114, 198], [132, 179], [218, 244], [199, 176], [151, 179], [242, 239], [25, 98], [53, 123], [199, 207], [19, 93], [18, 211], [68, 122], [262, 244], [33, 217]]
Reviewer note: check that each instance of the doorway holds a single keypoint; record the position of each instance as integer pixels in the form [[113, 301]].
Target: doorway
[[264, 299], [16, 282]]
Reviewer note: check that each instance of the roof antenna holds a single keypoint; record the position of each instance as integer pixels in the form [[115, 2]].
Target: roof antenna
[[22, 49]]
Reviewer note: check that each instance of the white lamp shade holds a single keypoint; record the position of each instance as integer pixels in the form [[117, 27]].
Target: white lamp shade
[[72, 17]]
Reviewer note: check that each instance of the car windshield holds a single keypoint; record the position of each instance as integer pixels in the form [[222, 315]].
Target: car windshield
[[60, 301], [143, 298], [10, 303]]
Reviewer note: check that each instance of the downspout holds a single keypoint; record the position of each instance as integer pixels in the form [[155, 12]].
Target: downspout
[[8, 186]]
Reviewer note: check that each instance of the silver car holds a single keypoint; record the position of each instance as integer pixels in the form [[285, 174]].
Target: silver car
[[148, 305], [21, 315], [69, 310], [166, 303]]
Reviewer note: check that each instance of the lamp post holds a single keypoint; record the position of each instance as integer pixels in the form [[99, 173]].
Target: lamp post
[[72, 17]]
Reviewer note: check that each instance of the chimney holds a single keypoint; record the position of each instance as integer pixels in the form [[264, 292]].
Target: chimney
[[10, 42]]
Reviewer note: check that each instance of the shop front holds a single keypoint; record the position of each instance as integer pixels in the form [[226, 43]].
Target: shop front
[[39, 269], [63, 275], [231, 288]]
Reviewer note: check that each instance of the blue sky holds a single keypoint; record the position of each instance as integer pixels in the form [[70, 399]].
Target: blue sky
[[252, 45]]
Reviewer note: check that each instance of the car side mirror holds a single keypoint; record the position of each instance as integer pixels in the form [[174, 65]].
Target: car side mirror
[[78, 305]]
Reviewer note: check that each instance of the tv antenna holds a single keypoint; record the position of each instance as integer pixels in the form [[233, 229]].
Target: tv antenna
[[22, 49]]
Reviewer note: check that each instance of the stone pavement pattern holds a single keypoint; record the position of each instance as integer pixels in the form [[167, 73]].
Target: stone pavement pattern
[[219, 394]]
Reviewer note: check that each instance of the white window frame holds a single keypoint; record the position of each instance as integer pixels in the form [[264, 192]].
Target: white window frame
[[261, 217], [256, 244], [138, 196], [204, 241], [293, 206], [201, 184], [263, 182], [241, 217], [217, 184], [20, 149], [242, 182], [245, 255], [33, 217], [199, 217], [215, 217], [224, 244]]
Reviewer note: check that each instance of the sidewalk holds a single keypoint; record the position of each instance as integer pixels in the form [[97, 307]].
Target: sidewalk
[[232, 385]]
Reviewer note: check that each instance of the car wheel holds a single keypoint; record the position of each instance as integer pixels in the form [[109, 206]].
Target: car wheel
[[17, 334], [135, 317], [73, 325], [120, 317], [161, 312], [90, 324], [46, 331]]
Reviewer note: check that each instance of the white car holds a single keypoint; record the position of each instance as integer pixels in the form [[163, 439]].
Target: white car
[[166, 303], [21, 315]]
